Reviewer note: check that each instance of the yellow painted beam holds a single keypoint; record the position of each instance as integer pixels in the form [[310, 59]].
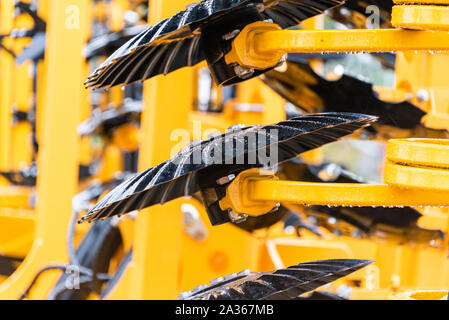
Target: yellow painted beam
[[352, 40], [6, 69], [58, 166], [158, 234], [15, 197]]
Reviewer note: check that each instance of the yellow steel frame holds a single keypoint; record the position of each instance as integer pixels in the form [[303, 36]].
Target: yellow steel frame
[[416, 174], [152, 274], [163, 263], [343, 194], [154, 271], [409, 185], [59, 156], [355, 40], [16, 217], [419, 17], [262, 44]]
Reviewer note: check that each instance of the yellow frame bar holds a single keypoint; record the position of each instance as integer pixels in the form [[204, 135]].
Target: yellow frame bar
[[342, 194], [58, 164], [356, 40]]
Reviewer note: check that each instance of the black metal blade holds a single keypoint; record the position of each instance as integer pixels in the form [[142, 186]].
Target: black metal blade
[[201, 165], [181, 40], [283, 284], [301, 86]]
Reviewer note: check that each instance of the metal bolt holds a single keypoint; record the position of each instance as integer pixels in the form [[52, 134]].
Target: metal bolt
[[243, 72], [131, 17], [237, 217], [422, 95], [339, 70], [357, 234], [282, 65], [344, 291], [193, 225], [345, 12], [290, 229], [332, 220], [225, 180], [330, 172]]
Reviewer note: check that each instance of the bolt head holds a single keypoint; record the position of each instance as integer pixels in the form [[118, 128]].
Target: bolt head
[[243, 72], [422, 95]]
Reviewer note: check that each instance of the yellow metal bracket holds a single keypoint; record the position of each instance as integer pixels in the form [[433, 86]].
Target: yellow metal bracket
[[255, 44], [414, 176]]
